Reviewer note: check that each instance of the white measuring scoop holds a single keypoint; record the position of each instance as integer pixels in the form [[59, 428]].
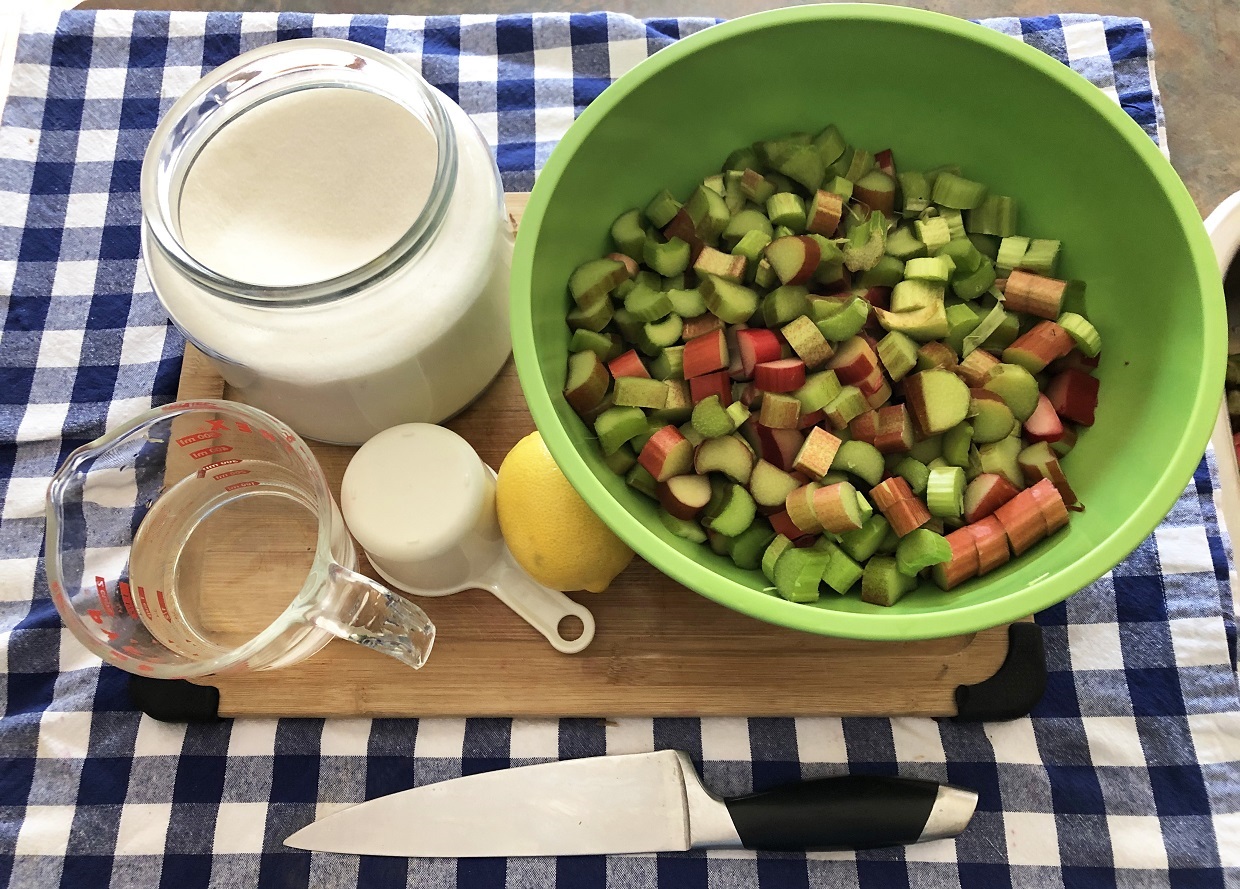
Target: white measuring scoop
[[421, 503]]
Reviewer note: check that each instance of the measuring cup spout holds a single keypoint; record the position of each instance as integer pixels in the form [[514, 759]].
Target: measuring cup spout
[[370, 614]]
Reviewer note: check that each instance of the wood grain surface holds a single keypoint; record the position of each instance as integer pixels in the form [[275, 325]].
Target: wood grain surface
[[659, 649]]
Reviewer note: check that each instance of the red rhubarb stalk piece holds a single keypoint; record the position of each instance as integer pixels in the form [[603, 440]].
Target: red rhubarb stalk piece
[[628, 365], [705, 354], [1074, 395]]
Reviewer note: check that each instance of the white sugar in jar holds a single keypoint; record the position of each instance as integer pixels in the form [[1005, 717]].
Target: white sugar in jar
[[329, 230]]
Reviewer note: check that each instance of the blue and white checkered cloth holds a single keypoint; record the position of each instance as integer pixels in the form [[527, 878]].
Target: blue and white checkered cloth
[[1126, 774]]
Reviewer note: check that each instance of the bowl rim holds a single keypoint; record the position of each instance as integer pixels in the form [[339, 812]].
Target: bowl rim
[[698, 577]]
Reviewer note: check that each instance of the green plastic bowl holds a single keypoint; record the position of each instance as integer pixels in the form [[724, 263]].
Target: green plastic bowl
[[936, 90]]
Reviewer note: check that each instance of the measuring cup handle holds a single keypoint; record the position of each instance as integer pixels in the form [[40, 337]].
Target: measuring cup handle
[[542, 607], [371, 615]]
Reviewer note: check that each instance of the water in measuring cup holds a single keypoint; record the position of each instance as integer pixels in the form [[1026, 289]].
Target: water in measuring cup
[[211, 568]]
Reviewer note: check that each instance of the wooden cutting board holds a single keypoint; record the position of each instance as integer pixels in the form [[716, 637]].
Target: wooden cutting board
[[659, 649]]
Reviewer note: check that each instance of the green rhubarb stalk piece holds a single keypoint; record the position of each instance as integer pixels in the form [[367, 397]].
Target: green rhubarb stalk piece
[[592, 314], [842, 572], [748, 546], [774, 550], [916, 473], [920, 549], [904, 245], [798, 574], [996, 215], [785, 304], [645, 304], [956, 192], [1084, 334], [668, 258], [628, 234], [662, 208], [639, 479], [617, 426], [883, 583], [864, 542], [601, 344], [736, 514], [598, 276], [847, 322], [686, 529], [711, 419], [945, 492], [730, 302], [861, 459], [1016, 386], [818, 391]]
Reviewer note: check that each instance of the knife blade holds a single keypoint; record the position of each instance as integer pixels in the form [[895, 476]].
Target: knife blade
[[644, 802]]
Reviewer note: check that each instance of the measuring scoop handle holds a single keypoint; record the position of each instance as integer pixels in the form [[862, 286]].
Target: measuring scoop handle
[[542, 607]]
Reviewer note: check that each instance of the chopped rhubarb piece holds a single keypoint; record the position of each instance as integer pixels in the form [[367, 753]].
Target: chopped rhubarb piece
[[976, 367], [837, 509], [811, 419], [1050, 504], [684, 496], [992, 544], [854, 360], [630, 264], [784, 525], [864, 427], [895, 430], [1041, 345], [1074, 395], [986, 493], [938, 400], [705, 354], [890, 492], [907, 516], [794, 258], [702, 324], [780, 411], [770, 485], [817, 452], [963, 564], [729, 455], [1038, 462], [628, 365], [682, 227], [1043, 424], [1034, 294], [779, 446], [824, 213], [718, 383], [1022, 522], [784, 375], [667, 453], [757, 345], [800, 508]]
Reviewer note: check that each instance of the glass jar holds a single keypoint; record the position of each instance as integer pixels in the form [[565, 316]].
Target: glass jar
[[329, 230]]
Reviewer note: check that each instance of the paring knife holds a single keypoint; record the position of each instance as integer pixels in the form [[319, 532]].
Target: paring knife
[[647, 802]]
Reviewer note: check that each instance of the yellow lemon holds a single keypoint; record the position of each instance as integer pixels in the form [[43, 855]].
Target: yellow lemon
[[551, 531]]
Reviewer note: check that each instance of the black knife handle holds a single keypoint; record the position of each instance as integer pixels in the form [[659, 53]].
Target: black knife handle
[[843, 812]]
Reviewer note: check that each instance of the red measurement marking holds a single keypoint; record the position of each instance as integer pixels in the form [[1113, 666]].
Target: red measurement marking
[[96, 615], [218, 425], [101, 587], [242, 427], [207, 452], [146, 606], [145, 668], [183, 405], [197, 437], [163, 606], [240, 485], [112, 637], [218, 463], [133, 649], [267, 435], [127, 599], [231, 472]]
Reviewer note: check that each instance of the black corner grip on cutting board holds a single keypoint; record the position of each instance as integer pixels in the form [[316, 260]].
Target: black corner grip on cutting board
[[1015, 688], [175, 700]]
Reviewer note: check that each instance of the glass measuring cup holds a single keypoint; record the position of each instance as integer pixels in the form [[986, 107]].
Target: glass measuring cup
[[201, 538]]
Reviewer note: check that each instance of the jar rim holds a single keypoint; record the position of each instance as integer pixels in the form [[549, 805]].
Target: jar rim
[[261, 75]]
